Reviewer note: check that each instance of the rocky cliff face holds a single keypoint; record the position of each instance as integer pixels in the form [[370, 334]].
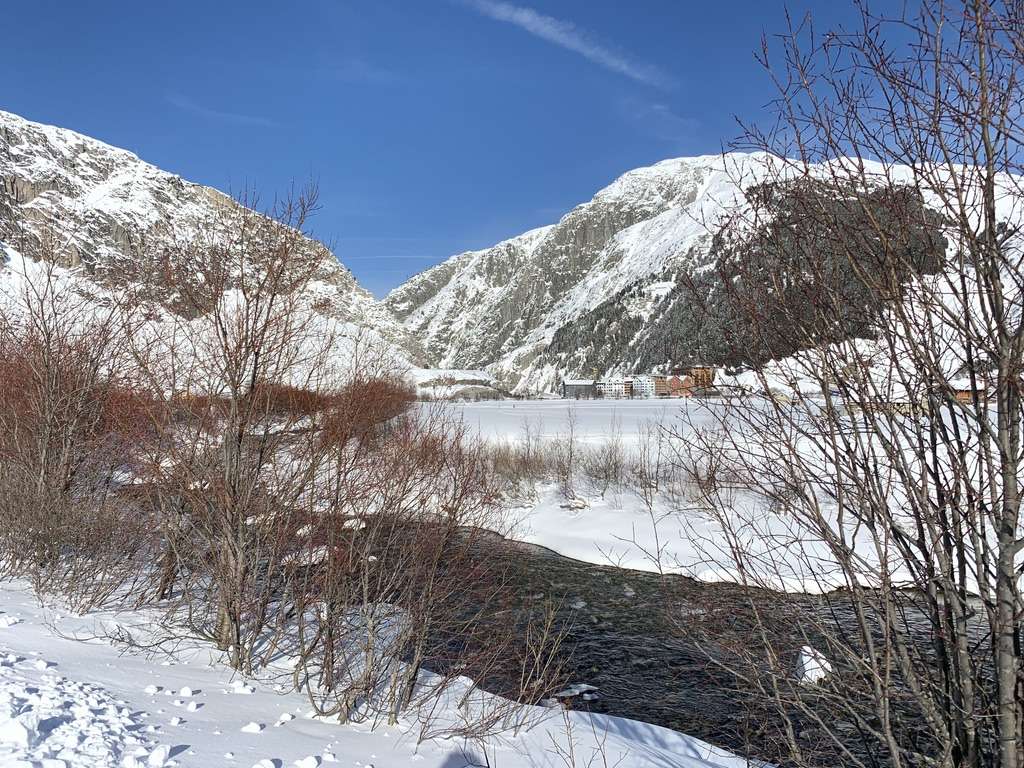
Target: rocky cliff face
[[106, 209], [503, 307], [641, 278]]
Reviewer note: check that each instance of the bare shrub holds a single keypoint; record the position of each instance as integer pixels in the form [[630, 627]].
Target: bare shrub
[[567, 456], [395, 581], [70, 421], [605, 463], [897, 489], [363, 406]]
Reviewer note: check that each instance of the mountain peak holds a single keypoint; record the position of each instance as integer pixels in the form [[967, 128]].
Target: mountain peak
[[499, 308]]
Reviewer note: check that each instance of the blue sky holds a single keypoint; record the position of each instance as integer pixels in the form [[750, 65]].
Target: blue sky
[[431, 126]]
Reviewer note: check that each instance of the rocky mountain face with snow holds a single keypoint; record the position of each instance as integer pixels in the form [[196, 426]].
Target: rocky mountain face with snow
[[99, 210], [501, 307], [610, 288]]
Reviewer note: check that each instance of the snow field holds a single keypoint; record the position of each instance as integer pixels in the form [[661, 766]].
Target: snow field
[[613, 526]]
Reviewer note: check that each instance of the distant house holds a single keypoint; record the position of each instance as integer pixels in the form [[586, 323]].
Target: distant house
[[578, 389], [673, 386], [702, 376], [644, 385], [615, 388], [964, 392], [894, 400]]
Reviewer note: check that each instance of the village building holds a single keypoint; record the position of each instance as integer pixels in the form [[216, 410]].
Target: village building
[[578, 389], [701, 376], [615, 388], [673, 386], [965, 392], [683, 382], [644, 385]]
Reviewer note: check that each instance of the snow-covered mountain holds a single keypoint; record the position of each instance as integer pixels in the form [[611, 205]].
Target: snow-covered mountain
[[104, 206], [502, 308], [601, 291], [609, 288]]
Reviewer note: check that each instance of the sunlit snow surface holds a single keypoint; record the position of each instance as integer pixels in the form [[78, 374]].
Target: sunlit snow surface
[[612, 526], [81, 703]]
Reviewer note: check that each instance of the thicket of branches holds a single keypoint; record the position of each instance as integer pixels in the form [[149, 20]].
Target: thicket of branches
[[898, 490], [220, 465]]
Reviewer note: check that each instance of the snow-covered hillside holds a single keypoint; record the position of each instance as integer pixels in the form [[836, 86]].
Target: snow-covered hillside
[[608, 289], [102, 208], [499, 308]]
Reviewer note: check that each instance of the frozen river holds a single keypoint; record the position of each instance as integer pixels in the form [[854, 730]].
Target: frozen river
[[592, 420]]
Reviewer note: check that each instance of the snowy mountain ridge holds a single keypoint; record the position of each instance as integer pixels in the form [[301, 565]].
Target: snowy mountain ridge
[[103, 206], [499, 308], [610, 288]]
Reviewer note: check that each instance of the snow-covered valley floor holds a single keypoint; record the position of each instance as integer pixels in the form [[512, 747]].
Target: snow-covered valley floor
[[592, 420], [69, 699], [612, 525]]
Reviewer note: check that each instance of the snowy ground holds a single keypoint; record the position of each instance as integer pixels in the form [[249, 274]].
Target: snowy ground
[[613, 527], [70, 703], [593, 420]]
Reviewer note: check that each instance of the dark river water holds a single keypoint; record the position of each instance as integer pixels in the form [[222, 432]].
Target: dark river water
[[647, 643], [626, 635]]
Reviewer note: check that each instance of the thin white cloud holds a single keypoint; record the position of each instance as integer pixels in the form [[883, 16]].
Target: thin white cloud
[[186, 104], [567, 35]]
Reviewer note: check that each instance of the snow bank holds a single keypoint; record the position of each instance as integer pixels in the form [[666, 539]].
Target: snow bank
[[71, 704]]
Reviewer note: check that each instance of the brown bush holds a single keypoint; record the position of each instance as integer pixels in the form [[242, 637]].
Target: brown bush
[[70, 423], [362, 406]]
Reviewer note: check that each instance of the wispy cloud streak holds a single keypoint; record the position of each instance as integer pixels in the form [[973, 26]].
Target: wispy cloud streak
[[186, 104], [567, 35]]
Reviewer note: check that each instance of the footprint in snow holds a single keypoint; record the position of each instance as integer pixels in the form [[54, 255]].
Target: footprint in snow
[[241, 687], [253, 727], [6, 620]]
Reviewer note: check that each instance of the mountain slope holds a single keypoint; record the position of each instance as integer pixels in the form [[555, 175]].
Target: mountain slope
[[105, 208], [645, 275], [502, 307]]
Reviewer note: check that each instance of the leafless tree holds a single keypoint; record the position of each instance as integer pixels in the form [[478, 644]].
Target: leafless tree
[[307, 510], [882, 234], [238, 370]]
